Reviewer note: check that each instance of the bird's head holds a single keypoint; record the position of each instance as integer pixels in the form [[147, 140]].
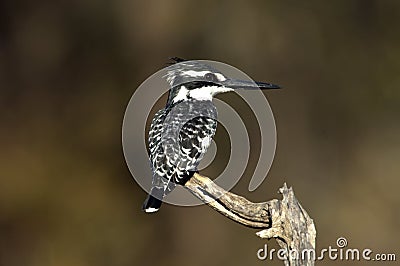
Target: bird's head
[[199, 81]]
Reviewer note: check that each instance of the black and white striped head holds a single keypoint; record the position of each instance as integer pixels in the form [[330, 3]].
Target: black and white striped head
[[200, 81]]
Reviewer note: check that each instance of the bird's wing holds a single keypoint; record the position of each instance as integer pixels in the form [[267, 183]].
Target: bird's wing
[[156, 151], [155, 132], [178, 140], [194, 139], [195, 135]]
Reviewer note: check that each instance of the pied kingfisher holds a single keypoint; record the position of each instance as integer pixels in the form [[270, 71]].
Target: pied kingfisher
[[181, 132]]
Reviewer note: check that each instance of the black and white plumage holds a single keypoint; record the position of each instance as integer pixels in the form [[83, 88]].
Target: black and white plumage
[[181, 132]]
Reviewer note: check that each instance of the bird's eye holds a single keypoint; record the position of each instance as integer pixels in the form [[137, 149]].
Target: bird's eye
[[210, 77]]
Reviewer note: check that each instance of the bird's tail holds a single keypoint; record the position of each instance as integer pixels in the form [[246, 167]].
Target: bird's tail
[[153, 200]]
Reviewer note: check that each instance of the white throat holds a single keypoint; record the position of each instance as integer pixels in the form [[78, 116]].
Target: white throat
[[200, 94], [207, 93]]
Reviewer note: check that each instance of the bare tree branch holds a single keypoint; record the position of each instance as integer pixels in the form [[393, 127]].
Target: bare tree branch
[[285, 220]]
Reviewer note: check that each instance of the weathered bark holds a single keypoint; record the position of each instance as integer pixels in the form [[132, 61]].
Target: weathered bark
[[285, 220]]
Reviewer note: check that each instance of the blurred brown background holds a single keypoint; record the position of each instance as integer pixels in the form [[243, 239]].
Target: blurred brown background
[[69, 68]]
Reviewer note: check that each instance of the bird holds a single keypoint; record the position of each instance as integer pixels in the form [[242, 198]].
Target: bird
[[180, 133]]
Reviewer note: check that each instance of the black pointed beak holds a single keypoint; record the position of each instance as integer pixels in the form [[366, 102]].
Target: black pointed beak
[[249, 85]]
